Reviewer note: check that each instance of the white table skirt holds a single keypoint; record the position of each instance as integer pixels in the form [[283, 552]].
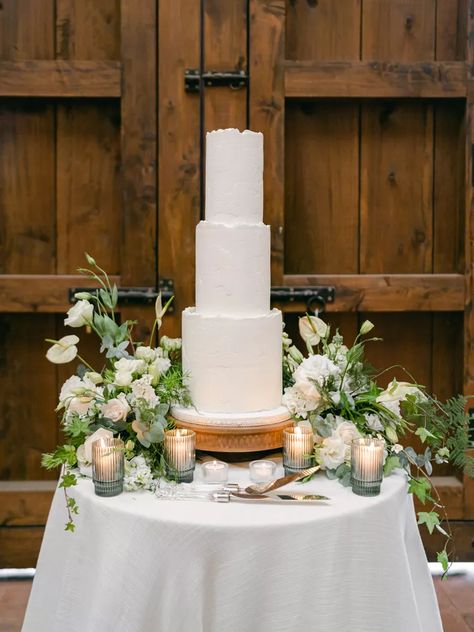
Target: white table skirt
[[139, 564]]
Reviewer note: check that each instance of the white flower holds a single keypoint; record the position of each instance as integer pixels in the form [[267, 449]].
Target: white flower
[[170, 344], [63, 350], [123, 378], [93, 377], [116, 409], [332, 452], [158, 367], [397, 392], [84, 451], [397, 448], [312, 329], [137, 474], [80, 405], [80, 314], [130, 365], [314, 371], [145, 353], [373, 422], [347, 431], [69, 389], [366, 327], [142, 389], [297, 404]]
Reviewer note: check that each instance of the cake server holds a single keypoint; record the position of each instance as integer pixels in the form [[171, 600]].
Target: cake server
[[280, 482], [280, 497]]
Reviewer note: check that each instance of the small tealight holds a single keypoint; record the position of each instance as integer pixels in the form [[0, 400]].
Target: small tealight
[[262, 471], [215, 472]]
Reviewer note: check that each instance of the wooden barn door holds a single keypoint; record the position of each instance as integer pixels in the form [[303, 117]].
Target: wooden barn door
[[77, 173]]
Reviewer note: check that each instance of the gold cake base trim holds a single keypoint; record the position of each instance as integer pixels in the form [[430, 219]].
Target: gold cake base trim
[[215, 438]]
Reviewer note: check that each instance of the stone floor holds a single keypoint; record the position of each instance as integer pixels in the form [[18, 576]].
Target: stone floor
[[455, 595]]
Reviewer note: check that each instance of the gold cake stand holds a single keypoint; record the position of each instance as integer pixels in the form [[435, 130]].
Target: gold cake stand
[[256, 433]]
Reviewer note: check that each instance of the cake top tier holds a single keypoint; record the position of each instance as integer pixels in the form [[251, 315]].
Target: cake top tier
[[234, 177]]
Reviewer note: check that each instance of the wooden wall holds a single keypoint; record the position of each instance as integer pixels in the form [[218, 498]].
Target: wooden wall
[[366, 110]]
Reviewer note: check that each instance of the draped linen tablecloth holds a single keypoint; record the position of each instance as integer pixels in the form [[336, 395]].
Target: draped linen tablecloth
[[139, 564]]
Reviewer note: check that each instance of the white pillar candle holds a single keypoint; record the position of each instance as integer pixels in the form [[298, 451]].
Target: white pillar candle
[[108, 466], [298, 443], [262, 471], [367, 466], [180, 453], [215, 472]]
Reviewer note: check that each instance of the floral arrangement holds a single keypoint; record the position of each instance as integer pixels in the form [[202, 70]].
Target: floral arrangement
[[129, 396], [334, 391]]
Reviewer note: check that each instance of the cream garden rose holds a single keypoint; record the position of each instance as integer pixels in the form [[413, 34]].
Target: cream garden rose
[[116, 409]]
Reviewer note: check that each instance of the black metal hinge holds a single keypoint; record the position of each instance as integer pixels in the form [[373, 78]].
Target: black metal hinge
[[135, 295], [235, 80], [316, 297]]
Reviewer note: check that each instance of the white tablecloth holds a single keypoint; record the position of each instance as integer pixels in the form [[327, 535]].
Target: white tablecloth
[[139, 564]]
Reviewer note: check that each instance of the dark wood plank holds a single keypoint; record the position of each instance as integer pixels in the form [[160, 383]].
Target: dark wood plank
[[20, 546], [37, 78], [463, 532], [27, 29], [25, 502], [321, 188], [451, 26], [225, 41], [323, 30], [398, 29], [451, 492], [396, 176], [267, 113], [179, 152], [375, 79], [89, 205], [394, 292]]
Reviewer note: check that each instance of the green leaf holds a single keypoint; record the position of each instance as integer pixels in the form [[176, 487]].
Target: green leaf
[[424, 434], [392, 463], [68, 480], [69, 526], [420, 487], [429, 518], [63, 455], [72, 504], [105, 298], [443, 559]]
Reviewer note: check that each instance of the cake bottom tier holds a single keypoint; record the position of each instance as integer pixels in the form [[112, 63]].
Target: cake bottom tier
[[233, 364]]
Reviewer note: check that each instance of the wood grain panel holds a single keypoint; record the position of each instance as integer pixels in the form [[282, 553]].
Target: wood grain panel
[[451, 27], [27, 163], [402, 30], [25, 502], [448, 192], [322, 188], [323, 30], [396, 188], [267, 114], [20, 546], [447, 355], [179, 160], [27, 29], [28, 388], [89, 209], [225, 41], [87, 29]]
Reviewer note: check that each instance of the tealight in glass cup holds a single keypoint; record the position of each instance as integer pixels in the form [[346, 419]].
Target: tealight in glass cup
[[262, 471], [180, 454], [108, 461], [215, 472], [298, 444], [367, 466]]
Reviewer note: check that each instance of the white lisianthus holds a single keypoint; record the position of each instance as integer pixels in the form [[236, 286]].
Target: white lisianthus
[[373, 422], [332, 452], [145, 353], [397, 392], [123, 378], [142, 389], [130, 365], [69, 389], [80, 405], [347, 431], [158, 367], [312, 329], [116, 409], [63, 350], [84, 451], [366, 327], [80, 314], [170, 344]]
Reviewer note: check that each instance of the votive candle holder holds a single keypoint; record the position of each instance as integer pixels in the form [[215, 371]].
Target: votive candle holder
[[262, 471], [215, 472], [367, 466], [298, 444], [108, 461], [180, 454]]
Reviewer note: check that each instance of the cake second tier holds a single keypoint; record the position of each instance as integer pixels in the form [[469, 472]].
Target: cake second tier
[[232, 269], [233, 364]]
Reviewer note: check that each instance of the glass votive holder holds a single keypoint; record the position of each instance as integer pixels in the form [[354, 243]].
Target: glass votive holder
[[298, 444], [367, 466], [180, 454], [215, 472], [262, 471], [108, 461]]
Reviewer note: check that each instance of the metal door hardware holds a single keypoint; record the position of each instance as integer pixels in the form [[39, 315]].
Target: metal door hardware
[[234, 79], [315, 297]]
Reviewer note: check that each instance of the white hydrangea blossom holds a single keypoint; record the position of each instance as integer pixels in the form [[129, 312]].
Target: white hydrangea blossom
[[138, 474], [142, 389]]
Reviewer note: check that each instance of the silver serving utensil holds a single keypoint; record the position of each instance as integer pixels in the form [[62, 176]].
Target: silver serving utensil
[[280, 497], [280, 482]]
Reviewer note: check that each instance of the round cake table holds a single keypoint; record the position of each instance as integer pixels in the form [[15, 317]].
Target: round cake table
[[139, 564]]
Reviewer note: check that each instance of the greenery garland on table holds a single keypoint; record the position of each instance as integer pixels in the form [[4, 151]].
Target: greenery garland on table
[[333, 390]]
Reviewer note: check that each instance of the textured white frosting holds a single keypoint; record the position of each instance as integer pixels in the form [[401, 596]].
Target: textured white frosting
[[232, 269], [234, 363], [234, 176]]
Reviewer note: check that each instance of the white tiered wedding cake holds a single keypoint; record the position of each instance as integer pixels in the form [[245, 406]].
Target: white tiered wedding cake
[[232, 344]]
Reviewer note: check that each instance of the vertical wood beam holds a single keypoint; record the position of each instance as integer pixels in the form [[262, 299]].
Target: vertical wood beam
[[469, 210], [267, 113]]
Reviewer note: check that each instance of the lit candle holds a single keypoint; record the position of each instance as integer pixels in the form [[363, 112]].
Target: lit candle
[[367, 466], [108, 466], [262, 471], [298, 443], [215, 472], [180, 454]]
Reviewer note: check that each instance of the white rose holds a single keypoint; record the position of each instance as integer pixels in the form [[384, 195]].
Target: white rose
[[116, 409], [314, 371], [298, 405], [332, 452], [158, 367], [69, 388], [373, 422], [80, 314], [80, 405], [130, 365], [123, 378], [347, 432], [63, 350], [145, 353], [312, 329]]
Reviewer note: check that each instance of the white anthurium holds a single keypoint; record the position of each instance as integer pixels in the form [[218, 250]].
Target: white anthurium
[[63, 350], [80, 314], [312, 329]]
